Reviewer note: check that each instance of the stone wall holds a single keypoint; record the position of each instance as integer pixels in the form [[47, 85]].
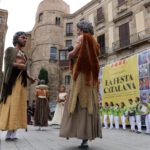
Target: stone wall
[[3, 30]]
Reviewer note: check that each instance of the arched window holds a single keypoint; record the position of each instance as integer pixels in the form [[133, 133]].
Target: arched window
[[40, 17], [57, 21]]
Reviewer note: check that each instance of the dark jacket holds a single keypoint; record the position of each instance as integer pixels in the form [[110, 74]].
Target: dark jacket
[[9, 59]]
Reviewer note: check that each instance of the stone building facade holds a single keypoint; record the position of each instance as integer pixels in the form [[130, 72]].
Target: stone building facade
[[3, 30], [122, 27]]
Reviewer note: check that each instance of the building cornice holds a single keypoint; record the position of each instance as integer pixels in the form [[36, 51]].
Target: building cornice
[[3, 10], [123, 16], [147, 4], [82, 9]]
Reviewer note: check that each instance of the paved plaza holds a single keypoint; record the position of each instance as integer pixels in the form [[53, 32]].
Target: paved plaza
[[49, 140]]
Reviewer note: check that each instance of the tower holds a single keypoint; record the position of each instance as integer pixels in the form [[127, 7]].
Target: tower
[[46, 40]]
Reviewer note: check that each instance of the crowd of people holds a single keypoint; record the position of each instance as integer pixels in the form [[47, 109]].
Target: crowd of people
[[111, 115], [126, 114]]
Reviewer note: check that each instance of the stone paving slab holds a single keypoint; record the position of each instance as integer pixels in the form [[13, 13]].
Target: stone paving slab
[[49, 140]]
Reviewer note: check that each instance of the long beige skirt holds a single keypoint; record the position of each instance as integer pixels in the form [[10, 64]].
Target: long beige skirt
[[80, 124], [58, 114], [14, 112]]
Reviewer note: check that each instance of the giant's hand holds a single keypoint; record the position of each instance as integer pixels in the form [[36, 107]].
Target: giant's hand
[[22, 66], [70, 55], [32, 80]]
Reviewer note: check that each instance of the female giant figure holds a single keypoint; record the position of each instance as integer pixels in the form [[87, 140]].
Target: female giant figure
[[80, 117]]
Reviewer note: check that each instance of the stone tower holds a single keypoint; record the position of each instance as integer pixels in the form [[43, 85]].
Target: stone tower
[[46, 41]]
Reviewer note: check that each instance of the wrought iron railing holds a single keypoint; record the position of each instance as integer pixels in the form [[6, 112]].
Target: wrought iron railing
[[69, 34], [132, 40], [98, 21], [103, 52]]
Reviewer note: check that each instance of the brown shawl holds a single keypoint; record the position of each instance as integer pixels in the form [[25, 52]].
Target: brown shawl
[[87, 61]]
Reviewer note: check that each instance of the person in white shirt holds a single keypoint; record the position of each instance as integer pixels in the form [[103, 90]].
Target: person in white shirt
[[61, 99]]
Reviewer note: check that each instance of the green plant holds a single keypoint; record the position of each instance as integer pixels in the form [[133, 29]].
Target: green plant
[[43, 75]]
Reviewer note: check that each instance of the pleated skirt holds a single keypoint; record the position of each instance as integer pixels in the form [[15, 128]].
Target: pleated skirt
[[13, 114], [81, 124]]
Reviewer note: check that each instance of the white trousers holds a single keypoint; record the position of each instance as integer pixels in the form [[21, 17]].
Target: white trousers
[[105, 121], [147, 123], [132, 122], [116, 119], [138, 122], [111, 117], [123, 121]]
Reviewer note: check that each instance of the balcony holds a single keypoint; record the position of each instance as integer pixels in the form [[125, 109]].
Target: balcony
[[99, 21], [103, 53], [69, 34], [122, 7], [64, 63], [121, 17], [134, 40]]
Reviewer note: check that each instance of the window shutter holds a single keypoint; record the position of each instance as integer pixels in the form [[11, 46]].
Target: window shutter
[[121, 2], [68, 43], [69, 29], [101, 41], [100, 14], [124, 35]]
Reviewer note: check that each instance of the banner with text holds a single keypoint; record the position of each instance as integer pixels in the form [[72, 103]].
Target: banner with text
[[120, 80]]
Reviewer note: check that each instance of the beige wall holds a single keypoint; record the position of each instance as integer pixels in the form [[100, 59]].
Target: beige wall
[[140, 24], [110, 11], [91, 19], [111, 36]]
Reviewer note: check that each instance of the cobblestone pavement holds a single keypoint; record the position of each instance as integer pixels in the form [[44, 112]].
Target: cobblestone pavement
[[49, 140]]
